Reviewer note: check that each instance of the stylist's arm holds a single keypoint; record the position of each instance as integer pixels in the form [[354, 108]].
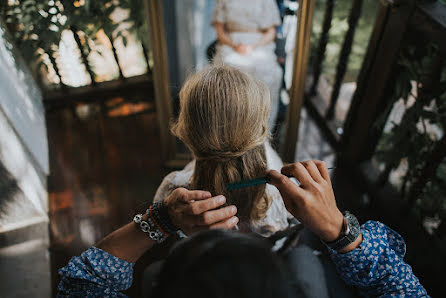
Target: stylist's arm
[[189, 210], [313, 202]]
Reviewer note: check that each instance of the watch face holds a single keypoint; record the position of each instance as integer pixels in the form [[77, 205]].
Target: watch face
[[354, 229]]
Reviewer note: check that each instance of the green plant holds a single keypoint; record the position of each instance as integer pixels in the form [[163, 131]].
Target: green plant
[[138, 18], [93, 16], [36, 28], [419, 139]]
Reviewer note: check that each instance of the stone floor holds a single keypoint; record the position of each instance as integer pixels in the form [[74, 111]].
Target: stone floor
[[24, 263], [312, 144]]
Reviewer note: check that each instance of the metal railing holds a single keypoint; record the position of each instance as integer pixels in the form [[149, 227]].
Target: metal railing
[[405, 35]]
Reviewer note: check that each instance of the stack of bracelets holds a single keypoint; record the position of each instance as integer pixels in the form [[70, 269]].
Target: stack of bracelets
[[158, 225]]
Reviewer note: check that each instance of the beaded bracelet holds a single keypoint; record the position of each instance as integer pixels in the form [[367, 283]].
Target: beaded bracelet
[[158, 212], [150, 228], [152, 217]]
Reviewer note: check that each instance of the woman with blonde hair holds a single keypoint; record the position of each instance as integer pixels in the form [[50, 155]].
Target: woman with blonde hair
[[223, 120]]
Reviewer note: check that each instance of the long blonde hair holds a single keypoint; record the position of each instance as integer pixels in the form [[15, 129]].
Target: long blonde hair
[[223, 120]]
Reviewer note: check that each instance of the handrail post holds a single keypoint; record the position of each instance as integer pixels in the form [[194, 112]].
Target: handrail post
[[320, 54], [341, 68], [153, 11], [300, 63]]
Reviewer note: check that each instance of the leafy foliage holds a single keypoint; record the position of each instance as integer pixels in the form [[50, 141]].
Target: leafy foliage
[[418, 139], [37, 25], [137, 18]]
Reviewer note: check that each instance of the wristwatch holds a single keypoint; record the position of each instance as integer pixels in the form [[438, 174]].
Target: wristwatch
[[350, 232]]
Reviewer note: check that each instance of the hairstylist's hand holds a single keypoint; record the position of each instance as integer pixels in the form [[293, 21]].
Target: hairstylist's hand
[[195, 210], [313, 202]]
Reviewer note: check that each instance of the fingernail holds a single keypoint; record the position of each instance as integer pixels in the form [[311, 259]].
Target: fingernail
[[221, 199], [234, 210], [234, 220]]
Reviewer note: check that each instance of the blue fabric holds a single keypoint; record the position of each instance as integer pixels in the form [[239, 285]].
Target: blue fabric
[[376, 268], [96, 273]]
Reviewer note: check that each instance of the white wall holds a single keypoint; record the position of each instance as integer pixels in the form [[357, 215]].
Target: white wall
[[194, 34], [21, 101], [24, 236]]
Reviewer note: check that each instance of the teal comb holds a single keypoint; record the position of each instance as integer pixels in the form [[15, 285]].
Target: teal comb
[[247, 183], [253, 182]]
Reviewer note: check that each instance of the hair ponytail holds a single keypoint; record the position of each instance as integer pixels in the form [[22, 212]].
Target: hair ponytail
[[223, 121]]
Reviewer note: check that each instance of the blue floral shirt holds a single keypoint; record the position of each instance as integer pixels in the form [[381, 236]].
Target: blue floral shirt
[[376, 267]]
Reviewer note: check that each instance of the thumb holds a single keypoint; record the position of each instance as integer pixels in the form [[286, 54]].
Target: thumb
[[288, 190], [278, 180]]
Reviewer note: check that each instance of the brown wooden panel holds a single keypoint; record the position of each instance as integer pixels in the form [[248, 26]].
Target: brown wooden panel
[[142, 85], [103, 170]]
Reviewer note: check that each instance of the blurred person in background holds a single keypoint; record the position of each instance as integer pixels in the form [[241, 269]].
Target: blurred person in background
[[246, 32]]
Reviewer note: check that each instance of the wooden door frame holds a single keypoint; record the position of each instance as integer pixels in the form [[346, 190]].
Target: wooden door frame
[[163, 98], [297, 90]]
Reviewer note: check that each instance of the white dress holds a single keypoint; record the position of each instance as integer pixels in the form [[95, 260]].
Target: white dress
[[277, 216], [240, 16]]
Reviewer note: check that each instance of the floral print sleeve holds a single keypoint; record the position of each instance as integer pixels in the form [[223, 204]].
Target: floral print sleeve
[[95, 273], [377, 267]]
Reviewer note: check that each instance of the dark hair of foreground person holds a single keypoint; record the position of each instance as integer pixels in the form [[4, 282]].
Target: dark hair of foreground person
[[226, 264]]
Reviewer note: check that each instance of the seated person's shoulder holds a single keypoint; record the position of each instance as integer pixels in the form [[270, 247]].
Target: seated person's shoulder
[[273, 160], [174, 180]]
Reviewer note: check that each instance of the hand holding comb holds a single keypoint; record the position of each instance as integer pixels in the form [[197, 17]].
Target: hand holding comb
[[252, 182]]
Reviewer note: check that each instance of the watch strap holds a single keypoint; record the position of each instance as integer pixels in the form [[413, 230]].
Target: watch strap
[[351, 232]]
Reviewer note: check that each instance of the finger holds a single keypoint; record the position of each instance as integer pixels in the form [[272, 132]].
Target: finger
[[192, 195], [283, 183], [198, 207], [313, 170], [298, 171], [211, 217], [226, 224], [291, 193], [322, 167]]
